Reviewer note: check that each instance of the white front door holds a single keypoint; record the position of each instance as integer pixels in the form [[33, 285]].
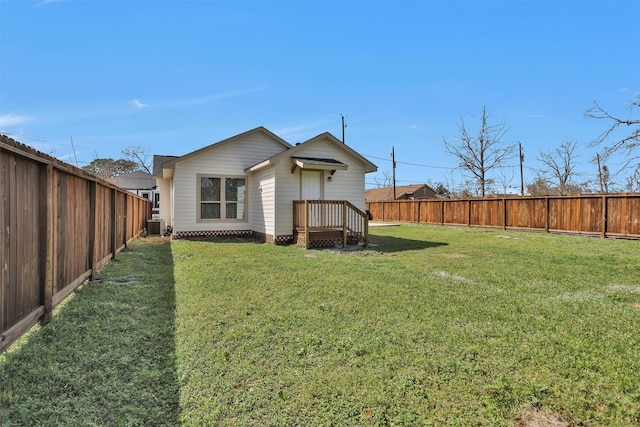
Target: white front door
[[311, 189], [311, 185]]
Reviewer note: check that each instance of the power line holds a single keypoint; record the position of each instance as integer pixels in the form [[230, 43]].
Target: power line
[[429, 166], [409, 164]]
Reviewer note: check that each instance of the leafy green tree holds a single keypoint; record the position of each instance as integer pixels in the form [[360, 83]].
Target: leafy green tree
[[110, 168], [441, 189]]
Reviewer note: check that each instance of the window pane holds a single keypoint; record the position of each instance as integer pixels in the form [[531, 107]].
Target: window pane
[[209, 189], [232, 211], [234, 189], [240, 209], [210, 210]]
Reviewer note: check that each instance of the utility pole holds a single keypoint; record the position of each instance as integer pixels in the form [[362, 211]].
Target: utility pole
[[393, 161], [521, 176], [343, 126], [74, 152]]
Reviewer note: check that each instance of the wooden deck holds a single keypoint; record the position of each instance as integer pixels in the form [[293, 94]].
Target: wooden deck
[[328, 223]]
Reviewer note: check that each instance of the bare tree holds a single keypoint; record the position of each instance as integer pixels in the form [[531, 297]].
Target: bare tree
[[505, 178], [539, 187], [632, 183], [387, 180], [604, 180], [561, 163], [627, 145], [141, 156], [480, 154]]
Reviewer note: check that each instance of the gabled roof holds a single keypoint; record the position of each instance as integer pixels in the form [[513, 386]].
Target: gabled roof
[[138, 180], [326, 136], [158, 161], [171, 163], [402, 191]]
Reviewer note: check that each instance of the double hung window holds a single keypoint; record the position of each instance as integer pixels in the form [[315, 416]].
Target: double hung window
[[221, 198]]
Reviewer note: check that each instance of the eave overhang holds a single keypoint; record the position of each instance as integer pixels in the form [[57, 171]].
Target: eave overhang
[[314, 163]]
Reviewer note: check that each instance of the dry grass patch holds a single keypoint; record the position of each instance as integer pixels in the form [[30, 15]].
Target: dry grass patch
[[529, 416]]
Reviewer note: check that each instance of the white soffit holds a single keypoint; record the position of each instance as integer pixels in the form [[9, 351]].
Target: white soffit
[[318, 163]]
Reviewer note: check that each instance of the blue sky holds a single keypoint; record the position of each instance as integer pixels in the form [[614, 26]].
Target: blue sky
[[174, 76]]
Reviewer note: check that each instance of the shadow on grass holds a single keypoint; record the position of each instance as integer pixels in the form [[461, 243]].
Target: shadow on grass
[[108, 356], [388, 244]]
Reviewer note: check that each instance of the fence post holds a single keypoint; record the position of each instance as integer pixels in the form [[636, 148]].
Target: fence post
[[114, 223], [625, 214], [504, 213], [125, 219], [47, 239], [547, 214], [604, 216], [93, 262]]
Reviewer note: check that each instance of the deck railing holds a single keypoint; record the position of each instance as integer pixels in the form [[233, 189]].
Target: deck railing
[[317, 215]]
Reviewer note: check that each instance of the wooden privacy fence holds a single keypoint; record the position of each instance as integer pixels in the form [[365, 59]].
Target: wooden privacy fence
[[58, 226], [606, 215]]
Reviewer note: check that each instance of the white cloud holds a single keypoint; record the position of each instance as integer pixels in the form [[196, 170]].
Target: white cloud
[[139, 104], [48, 2], [13, 120], [303, 131]]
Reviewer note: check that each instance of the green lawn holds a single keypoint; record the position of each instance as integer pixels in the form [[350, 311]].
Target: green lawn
[[428, 326]]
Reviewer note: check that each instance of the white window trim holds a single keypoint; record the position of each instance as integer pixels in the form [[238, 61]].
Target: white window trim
[[222, 201]]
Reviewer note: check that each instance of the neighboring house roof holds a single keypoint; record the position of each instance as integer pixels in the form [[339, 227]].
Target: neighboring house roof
[[138, 180], [316, 162], [418, 191], [158, 161], [170, 164]]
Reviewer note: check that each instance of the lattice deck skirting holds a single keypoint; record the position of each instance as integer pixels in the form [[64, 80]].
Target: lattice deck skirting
[[212, 234], [284, 240], [320, 239]]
